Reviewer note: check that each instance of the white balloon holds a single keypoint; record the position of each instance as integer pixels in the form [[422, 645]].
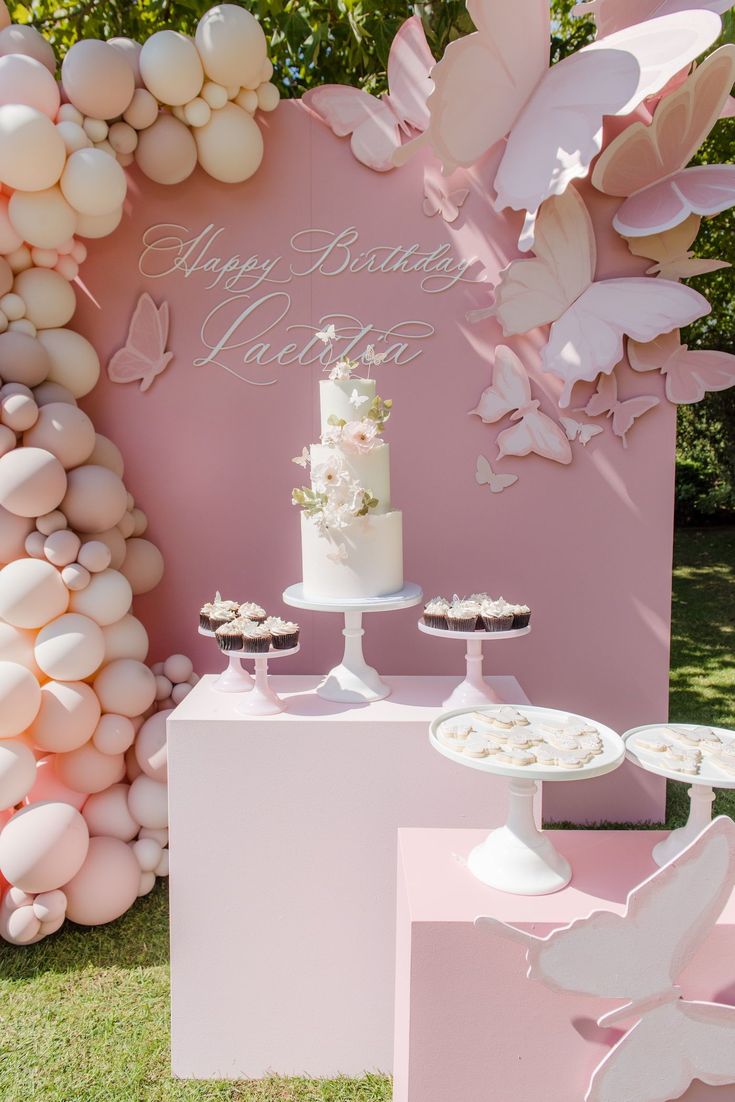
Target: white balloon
[[93, 183], [171, 68], [71, 647], [32, 153]]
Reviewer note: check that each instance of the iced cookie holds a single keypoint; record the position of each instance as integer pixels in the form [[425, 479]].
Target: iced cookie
[[573, 759], [649, 740], [576, 726], [561, 740], [453, 734], [682, 762], [478, 747], [509, 717], [515, 755], [590, 742], [698, 737], [545, 754]]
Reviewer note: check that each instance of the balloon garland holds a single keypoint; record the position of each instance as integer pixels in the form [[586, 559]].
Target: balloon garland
[[83, 798]]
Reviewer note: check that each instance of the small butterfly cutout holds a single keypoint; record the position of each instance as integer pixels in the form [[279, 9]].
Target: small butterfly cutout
[[143, 356], [326, 336], [624, 414], [576, 430], [438, 201], [357, 399], [339, 555], [370, 356], [486, 476], [302, 460]]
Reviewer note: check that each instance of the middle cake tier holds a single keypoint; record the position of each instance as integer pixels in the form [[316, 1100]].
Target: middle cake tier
[[371, 469]]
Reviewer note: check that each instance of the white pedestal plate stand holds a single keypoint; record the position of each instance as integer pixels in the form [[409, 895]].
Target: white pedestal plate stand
[[518, 857], [701, 787], [261, 699], [233, 679], [474, 690], [353, 681]]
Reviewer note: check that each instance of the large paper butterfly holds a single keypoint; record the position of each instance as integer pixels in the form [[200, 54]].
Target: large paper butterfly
[[143, 356], [510, 393], [378, 125], [689, 373], [497, 82], [647, 164], [670, 250], [614, 15], [639, 956], [588, 319]]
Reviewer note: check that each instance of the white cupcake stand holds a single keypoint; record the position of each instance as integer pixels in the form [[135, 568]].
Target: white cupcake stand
[[518, 857], [352, 681], [261, 699], [701, 786], [474, 690]]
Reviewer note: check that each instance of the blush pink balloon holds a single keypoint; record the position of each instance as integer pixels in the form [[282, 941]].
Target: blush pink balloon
[[143, 566], [143, 110], [67, 717], [17, 772], [9, 239], [42, 218], [13, 533], [47, 786], [107, 814], [125, 687], [232, 46], [49, 298], [43, 846], [93, 183], [130, 50], [32, 481], [105, 600], [70, 648], [65, 431], [171, 68], [148, 802], [23, 79], [230, 146], [150, 747], [16, 645], [20, 699], [126, 638], [166, 152], [114, 734], [98, 79], [32, 152], [31, 593], [87, 770], [73, 361], [107, 454], [95, 500], [106, 885], [26, 40], [23, 359]]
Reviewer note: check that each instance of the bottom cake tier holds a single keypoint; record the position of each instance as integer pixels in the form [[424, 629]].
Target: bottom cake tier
[[365, 559]]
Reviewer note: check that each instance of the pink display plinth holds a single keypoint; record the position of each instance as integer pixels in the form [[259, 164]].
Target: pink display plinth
[[469, 1025], [282, 881]]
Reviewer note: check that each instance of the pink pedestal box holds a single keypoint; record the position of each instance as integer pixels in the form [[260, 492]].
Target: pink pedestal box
[[283, 834], [469, 1025]]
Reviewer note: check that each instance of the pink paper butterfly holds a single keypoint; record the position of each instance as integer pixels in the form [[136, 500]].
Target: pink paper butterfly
[[497, 82], [689, 374], [378, 125], [670, 250], [614, 15], [510, 393], [437, 200], [588, 318], [144, 354], [646, 164], [624, 414], [486, 476]]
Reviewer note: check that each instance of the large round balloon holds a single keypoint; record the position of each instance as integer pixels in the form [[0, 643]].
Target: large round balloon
[[48, 297], [143, 566], [107, 454], [230, 146], [126, 687], [17, 772], [114, 734], [42, 218], [130, 50], [150, 747], [87, 770], [67, 718], [105, 600], [93, 182], [32, 482], [9, 239], [106, 885], [71, 647], [166, 152], [13, 533], [171, 68], [43, 846], [73, 361], [16, 645], [107, 814], [232, 46], [23, 359], [99, 225], [31, 593], [25, 80], [95, 500], [148, 802], [20, 699], [63, 430], [98, 79], [26, 40], [126, 638], [47, 786], [32, 152]]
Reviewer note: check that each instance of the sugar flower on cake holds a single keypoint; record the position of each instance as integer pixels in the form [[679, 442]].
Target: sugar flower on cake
[[329, 475], [341, 370], [360, 436]]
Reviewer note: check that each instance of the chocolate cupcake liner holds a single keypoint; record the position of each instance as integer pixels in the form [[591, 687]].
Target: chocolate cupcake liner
[[229, 642], [498, 623], [521, 620], [258, 645], [435, 621], [461, 623], [204, 621], [285, 641]]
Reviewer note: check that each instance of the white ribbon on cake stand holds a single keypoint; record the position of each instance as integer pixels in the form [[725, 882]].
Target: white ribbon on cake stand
[[474, 690], [353, 681]]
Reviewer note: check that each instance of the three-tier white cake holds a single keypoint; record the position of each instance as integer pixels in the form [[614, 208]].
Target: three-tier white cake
[[351, 537]]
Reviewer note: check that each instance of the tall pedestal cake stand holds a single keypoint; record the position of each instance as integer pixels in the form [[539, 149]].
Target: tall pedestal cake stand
[[518, 857], [474, 690], [701, 786], [233, 679], [353, 681]]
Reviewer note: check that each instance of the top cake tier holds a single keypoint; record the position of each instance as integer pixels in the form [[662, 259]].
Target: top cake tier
[[335, 395]]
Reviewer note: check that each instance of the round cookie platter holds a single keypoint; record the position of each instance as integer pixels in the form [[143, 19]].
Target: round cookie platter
[[652, 760]]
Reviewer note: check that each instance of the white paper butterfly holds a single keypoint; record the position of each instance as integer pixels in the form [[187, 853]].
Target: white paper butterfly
[[440, 200], [370, 356], [357, 399], [577, 430], [339, 555], [639, 956], [326, 336], [486, 476], [302, 460]]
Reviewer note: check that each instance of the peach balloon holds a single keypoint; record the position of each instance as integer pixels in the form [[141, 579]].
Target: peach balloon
[[32, 153], [75, 577], [94, 556], [7, 440], [146, 884], [61, 548], [23, 359], [43, 846], [35, 545], [148, 802], [166, 151], [93, 183], [31, 593], [127, 638], [130, 50], [214, 95], [180, 692], [123, 138], [98, 225], [107, 454], [162, 867], [171, 68], [52, 392], [98, 79], [106, 885], [73, 361], [95, 500], [150, 747], [18, 925], [42, 218], [147, 853], [49, 906], [26, 40], [17, 772], [67, 718], [268, 96], [73, 136], [20, 259], [107, 814], [126, 687], [16, 645], [65, 431], [13, 533], [49, 298], [132, 769], [143, 566], [105, 600], [113, 540], [9, 239], [18, 412], [230, 146], [87, 770], [232, 45], [114, 734], [72, 647], [140, 522], [143, 110], [160, 836], [32, 481], [47, 786], [126, 526], [163, 687], [20, 699], [55, 521], [25, 80]]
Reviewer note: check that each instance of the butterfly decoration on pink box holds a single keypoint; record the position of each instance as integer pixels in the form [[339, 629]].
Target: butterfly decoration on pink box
[[378, 125], [690, 373], [441, 199], [639, 956], [486, 476], [143, 356], [604, 402]]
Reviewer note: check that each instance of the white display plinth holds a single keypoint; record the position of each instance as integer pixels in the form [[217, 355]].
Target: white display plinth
[[283, 863], [353, 681]]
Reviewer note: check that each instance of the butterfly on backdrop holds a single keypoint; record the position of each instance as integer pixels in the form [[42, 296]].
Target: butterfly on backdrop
[[614, 15], [577, 430], [377, 125], [624, 414], [143, 356], [438, 200], [486, 476], [689, 372], [670, 249], [510, 393]]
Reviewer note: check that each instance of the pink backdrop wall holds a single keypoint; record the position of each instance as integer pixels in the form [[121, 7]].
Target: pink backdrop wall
[[208, 454]]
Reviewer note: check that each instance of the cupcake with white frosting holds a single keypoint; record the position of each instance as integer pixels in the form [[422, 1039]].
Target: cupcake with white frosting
[[256, 638], [253, 612], [435, 613], [284, 633], [462, 616]]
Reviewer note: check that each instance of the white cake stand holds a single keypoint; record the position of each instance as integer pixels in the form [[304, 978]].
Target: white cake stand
[[701, 787], [474, 690], [353, 681], [263, 700], [233, 679], [518, 857]]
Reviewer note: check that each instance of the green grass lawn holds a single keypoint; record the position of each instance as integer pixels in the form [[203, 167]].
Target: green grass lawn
[[84, 1015]]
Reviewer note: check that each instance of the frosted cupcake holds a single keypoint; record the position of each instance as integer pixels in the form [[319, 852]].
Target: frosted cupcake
[[229, 636], [219, 617], [252, 612], [256, 639], [521, 616], [496, 616], [285, 634], [435, 613], [461, 616]]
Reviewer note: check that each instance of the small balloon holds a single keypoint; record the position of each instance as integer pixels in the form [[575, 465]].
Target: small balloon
[[72, 359], [143, 110], [166, 151]]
